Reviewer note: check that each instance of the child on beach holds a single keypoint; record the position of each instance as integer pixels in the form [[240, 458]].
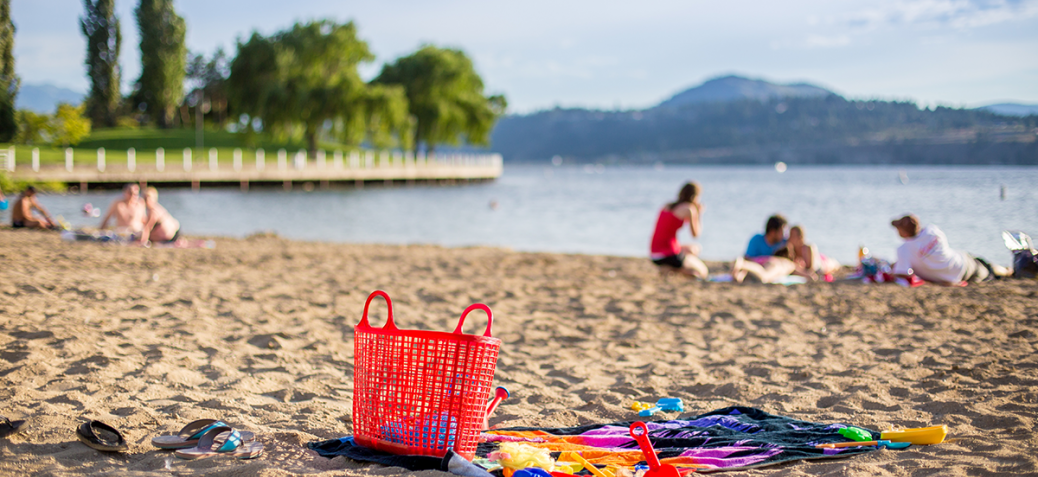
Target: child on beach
[[665, 250]]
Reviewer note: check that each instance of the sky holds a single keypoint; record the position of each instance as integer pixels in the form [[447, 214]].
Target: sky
[[620, 54]]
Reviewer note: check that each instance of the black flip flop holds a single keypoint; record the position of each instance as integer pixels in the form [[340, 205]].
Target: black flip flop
[[9, 427], [101, 436]]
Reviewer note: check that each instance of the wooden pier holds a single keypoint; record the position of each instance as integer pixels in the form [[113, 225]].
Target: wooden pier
[[285, 170]]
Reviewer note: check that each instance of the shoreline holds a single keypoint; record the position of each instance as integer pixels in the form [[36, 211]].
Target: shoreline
[[258, 331]]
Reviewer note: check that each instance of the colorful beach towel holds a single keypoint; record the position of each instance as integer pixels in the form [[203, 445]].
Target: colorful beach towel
[[732, 438]]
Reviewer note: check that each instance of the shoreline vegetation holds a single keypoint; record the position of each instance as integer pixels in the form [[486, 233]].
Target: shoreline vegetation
[[147, 340]]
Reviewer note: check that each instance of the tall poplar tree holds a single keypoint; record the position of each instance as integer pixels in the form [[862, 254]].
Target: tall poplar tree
[[163, 60], [8, 79], [104, 40]]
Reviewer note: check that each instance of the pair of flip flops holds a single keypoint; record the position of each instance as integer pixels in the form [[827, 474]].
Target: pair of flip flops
[[209, 437], [9, 427], [101, 436]]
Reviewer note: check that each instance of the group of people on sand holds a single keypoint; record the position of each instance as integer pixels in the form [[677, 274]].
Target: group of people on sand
[[144, 220], [776, 254]]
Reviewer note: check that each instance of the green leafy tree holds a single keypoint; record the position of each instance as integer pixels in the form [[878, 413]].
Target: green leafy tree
[[33, 129], [210, 77], [104, 40], [8, 79], [163, 60], [303, 80], [68, 126], [445, 96]]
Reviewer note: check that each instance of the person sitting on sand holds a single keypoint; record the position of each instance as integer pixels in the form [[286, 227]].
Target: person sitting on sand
[[128, 211], [806, 256], [22, 215], [773, 239], [760, 261], [665, 250], [161, 226], [926, 253]]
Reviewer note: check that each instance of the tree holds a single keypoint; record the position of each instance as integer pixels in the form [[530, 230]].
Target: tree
[[210, 77], [68, 126], [104, 40], [163, 60], [304, 81], [445, 95], [33, 129], [8, 79]]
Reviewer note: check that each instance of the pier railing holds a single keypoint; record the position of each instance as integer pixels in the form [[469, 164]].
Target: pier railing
[[182, 167]]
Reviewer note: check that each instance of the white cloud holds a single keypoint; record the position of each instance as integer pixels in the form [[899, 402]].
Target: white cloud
[[958, 14]]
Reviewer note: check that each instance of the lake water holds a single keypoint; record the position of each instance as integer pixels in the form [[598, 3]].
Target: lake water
[[612, 210]]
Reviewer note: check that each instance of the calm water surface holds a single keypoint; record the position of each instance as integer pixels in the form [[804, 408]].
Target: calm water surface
[[612, 210]]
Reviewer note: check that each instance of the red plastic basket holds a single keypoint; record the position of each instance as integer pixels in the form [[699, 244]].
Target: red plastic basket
[[421, 392]]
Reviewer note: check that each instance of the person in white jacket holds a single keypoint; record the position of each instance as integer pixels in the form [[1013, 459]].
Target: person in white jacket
[[926, 254]]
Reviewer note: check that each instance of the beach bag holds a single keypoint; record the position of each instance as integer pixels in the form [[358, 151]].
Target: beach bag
[[421, 392], [1025, 257]]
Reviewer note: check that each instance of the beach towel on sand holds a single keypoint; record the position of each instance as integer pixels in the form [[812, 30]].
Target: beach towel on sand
[[732, 438]]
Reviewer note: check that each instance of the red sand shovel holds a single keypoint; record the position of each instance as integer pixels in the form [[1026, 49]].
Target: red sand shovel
[[640, 433]]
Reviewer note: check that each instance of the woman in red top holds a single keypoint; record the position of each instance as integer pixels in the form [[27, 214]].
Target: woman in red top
[[665, 250]]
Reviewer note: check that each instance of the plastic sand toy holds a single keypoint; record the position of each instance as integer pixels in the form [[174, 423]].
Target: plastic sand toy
[[921, 435]]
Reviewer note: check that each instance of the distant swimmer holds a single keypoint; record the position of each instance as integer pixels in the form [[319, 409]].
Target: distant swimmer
[[23, 213], [128, 211]]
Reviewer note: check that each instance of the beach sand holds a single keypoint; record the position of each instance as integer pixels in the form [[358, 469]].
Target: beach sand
[[259, 332]]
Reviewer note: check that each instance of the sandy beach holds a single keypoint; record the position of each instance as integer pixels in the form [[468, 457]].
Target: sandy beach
[[258, 332]]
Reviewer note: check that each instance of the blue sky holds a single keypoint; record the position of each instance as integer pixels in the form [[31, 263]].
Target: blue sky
[[609, 54]]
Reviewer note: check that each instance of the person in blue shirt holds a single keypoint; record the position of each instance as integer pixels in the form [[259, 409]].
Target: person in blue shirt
[[773, 239], [760, 261]]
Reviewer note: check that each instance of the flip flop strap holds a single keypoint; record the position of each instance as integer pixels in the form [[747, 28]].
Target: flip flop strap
[[232, 444], [204, 430], [233, 440]]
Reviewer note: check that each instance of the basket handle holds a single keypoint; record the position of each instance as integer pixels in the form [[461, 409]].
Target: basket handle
[[389, 303], [476, 306]]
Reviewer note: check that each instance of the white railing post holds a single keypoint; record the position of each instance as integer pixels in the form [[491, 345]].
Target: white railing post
[[420, 158], [354, 159], [36, 159], [187, 159], [299, 161], [160, 159], [68, 159], [369, 159], [261, 159], [237, 159], [10, 159], [101, 159], [320, 159], [398, 158], [337, 160], [282, 159], [214, 159], [131, 159], [409, 159]]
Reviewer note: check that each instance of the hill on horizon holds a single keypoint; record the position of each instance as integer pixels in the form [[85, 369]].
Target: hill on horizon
[[43, 98], [734, 88], [1012, 109]]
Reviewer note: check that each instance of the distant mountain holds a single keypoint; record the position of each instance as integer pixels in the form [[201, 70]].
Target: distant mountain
[[734, 120], [734, 88], [1012, 109], [44, 98]]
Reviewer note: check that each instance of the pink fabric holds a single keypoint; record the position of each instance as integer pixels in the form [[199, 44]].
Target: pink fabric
[[665, 238]]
